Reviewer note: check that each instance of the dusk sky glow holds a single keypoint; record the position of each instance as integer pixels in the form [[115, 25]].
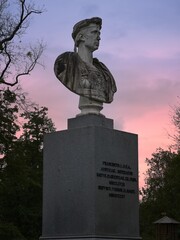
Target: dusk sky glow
[[140, 44]]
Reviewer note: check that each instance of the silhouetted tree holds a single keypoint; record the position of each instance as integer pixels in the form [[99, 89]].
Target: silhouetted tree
[[8, 119], [176, 123], [16, 59], [157, 193], [21, 168], [162, 183]]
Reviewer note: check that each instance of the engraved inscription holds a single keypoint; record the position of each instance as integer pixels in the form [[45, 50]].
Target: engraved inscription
[[116, 176]]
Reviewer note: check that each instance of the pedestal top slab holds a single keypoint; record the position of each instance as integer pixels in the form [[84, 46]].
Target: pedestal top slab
[[90, 120]]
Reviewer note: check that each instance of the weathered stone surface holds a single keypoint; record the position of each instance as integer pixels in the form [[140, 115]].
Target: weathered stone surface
[[90, 120], [83, 74], [90, 184]]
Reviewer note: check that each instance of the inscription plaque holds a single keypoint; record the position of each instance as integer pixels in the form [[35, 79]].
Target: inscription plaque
[[121, 175]]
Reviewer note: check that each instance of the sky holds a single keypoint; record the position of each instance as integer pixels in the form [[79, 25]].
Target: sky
[[140, 44]]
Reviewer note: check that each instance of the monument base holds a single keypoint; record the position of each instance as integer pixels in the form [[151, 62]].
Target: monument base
[[90, 185], [90, 238]]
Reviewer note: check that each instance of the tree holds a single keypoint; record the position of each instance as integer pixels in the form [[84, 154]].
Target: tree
[[16, 59], [21, 172], [161, 192], [159, 165], [176, 123], [12, 104], [9, 126], [157, 195]]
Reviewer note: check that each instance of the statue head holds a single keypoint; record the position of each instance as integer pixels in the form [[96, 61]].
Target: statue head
[[87, 32]]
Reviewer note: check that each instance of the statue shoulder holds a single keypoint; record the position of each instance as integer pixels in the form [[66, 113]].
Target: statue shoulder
[[101, 66], [67, 68], [63, 60], [66, 56]]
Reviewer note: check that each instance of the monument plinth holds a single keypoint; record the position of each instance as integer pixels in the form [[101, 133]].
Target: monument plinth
[[90, 182], [90, 172]]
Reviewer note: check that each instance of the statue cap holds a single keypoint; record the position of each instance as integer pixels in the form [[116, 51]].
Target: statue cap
[[83, 23]]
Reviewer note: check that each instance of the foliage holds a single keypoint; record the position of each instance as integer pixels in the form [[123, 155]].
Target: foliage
[[21, 168], [158, 165], [8, 117], [16, 59], [176, 123], [161, 194]]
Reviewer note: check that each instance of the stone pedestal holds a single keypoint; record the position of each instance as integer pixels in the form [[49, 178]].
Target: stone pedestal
[[90, 185]]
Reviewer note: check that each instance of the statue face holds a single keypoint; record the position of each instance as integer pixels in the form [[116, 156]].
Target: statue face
[[91, 37]]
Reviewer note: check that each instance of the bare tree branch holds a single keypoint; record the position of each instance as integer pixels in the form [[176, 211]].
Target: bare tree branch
[[23, 17], [33, 56], [15, 60], [6, 65]]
